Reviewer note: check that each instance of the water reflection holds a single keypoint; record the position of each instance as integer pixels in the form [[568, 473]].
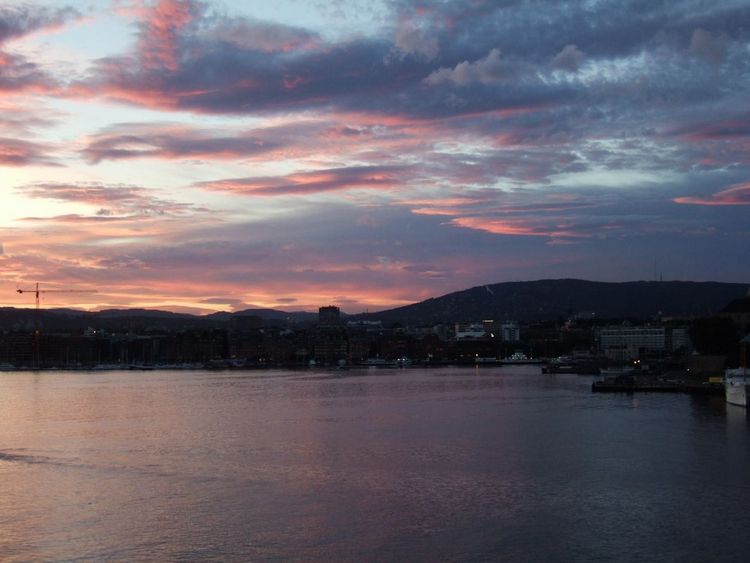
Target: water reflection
[[452, 464]]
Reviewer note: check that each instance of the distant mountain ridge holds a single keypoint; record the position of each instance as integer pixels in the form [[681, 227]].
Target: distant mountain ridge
[[269, 314], [62, 319], [550, 299], [521, 301]]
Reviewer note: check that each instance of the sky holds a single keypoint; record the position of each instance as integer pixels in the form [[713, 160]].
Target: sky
[[197, 156]]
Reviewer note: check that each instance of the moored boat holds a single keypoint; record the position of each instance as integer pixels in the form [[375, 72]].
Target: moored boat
[[735, 386], [520, 358]]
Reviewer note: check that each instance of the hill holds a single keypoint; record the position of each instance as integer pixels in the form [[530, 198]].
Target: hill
[[550, 299], [520, 301], [67, 320]]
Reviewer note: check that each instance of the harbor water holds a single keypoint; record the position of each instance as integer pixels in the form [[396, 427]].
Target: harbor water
[[449, 464]]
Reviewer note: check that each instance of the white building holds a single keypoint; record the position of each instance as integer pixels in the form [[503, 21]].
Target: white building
[[510, 331], [470, 330], [629, 342]]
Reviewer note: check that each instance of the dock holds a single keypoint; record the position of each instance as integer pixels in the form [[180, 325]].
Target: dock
[[631, 384]]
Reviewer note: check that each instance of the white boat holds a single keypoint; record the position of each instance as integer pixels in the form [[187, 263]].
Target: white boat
[[519, 358], [735, 386]]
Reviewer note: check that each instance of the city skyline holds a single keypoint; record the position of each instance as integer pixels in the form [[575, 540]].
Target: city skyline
[[203, 156]]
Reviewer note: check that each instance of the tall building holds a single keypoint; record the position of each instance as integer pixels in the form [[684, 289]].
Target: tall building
[[330, 342], [329, 316]]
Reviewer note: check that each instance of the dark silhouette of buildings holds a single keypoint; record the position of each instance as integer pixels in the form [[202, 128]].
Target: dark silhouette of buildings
[[251, 341]]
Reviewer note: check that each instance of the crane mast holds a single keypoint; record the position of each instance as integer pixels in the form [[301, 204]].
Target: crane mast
[[36, 291]]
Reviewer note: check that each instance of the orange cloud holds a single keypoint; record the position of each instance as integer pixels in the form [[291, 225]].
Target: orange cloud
[[738, 194], [518, 227], [311, 182]]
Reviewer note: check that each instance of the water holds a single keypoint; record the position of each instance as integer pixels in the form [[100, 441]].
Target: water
[[465, 464]]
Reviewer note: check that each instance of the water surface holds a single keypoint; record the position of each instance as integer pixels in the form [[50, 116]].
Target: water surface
[[464, 464]]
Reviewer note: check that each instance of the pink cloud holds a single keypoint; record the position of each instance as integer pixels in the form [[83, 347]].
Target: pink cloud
[[15, 152], [717, 130], [738, 194], [162, 25], [113, 200], [146, 93], [355, 177], [174, 141], [17, 73], [517, 227]]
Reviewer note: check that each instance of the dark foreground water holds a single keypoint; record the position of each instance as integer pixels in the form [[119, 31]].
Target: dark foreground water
[[412, 465]]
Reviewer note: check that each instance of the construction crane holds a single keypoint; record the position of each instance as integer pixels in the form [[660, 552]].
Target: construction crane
[[36, 291]]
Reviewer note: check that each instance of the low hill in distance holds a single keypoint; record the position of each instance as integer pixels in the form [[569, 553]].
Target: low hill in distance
[[119, 320], [550, 299], [520, 301], [267, 314]]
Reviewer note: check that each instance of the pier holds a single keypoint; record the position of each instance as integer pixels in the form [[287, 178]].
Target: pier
[[636, 384]]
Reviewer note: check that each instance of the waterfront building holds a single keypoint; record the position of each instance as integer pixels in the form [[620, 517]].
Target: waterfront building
[[470, 330], [630, 342], [510, 332], [329, 345], [627, 342], [678, 338]]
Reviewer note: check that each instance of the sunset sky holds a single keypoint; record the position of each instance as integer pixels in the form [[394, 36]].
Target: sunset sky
[[201, 156]]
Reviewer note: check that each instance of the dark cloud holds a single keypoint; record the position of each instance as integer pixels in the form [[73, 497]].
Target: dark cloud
[[570, 58], [712, 48], [487, 70], [190, 66], [22, 19], [716, 128], [492, 56], [411, 39]]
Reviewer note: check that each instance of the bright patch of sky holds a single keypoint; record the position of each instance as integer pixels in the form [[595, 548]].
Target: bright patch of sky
[[14, 206], [612, 178], [615, 70], [100, 32]]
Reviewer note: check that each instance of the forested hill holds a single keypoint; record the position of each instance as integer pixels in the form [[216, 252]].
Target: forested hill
[[550, 299]]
